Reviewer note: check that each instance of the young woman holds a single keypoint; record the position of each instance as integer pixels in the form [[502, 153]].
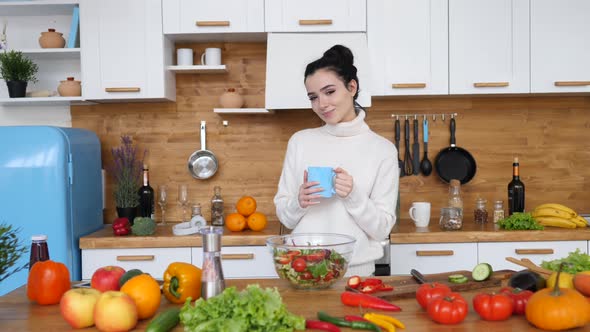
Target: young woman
[[365, 164]]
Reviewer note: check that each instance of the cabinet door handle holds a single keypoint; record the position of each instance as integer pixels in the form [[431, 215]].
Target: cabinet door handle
[[212, 23], [135, 258], [534, 251], [122, 89], [490, 84], [434, 253], [237, 256], [572, 83], [315, 22], [408, 85]]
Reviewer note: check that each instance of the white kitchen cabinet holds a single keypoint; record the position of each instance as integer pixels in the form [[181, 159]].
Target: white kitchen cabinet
[[408, 46], [560, 46], [495, 253], [246, 262], [123, 57], [150, 260], [489, 46], [315, 16], [206, 16], [432, 257]]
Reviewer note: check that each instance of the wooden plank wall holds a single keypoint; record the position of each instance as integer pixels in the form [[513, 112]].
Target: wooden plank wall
[[549, 134]]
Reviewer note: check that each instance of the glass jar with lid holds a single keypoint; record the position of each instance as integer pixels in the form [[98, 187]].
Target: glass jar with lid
[[498, 211], [480, 213], [451, 219], [455, 199]]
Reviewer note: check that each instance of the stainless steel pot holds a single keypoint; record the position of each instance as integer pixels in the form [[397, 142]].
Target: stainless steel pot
[[202, 164]]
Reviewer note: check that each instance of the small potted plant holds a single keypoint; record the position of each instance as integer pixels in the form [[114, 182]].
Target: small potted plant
[[127, 174], [17, 70]]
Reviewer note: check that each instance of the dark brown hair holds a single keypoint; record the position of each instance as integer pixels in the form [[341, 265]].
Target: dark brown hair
[[338, 59]]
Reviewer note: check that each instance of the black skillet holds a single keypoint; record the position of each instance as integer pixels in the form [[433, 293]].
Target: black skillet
[[455, 162]]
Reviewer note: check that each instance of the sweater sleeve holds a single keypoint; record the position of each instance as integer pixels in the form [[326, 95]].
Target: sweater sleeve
[[375, 213], [286, 200]]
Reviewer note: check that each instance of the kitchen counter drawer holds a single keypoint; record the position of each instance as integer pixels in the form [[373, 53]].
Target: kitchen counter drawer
[[242, 262], [150, 260], [495, 253], [432, 258]]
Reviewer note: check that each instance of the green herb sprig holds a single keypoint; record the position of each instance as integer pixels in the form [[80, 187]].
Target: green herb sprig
[[10, 251]]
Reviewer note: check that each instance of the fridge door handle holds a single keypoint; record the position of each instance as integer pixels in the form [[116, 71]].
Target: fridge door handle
[[134, 258]]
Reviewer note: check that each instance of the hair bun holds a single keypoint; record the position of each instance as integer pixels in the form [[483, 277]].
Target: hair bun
[[340, 54]]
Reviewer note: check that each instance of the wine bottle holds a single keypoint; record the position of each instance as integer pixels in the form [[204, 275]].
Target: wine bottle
[[515, 190], [146, 196]]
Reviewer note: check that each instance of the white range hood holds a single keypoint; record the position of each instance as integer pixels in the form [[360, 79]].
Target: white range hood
[[287, 56]]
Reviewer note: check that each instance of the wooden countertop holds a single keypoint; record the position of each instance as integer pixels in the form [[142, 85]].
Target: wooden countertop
[[17, 314], [403, 233]]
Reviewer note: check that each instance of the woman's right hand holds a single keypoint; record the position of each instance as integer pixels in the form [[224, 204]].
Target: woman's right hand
[[307, 195]]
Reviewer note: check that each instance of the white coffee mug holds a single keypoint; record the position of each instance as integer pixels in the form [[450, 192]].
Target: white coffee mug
[[420, 213], [184, 57], [211, 57]]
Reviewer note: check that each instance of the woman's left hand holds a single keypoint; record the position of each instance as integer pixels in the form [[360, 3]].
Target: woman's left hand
[[343, 183]]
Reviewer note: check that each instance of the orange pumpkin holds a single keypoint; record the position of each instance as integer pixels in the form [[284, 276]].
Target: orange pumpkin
[[48, 281], [557, 309]]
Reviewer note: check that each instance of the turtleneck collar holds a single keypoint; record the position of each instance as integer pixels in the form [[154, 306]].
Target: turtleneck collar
[[351, 128]]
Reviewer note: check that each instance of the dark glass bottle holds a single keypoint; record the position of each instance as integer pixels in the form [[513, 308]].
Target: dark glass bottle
[[515, 191], [146, 196], [39, 250]]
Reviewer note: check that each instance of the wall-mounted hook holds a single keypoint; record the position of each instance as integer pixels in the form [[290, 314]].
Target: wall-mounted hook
[[443, 117]]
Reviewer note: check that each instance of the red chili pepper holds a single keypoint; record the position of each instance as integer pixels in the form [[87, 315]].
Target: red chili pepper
[[372, 281], [121, 226], [354, 318], [367, 301], [385, 287], [354, 282], [322, 326], [368, 289]]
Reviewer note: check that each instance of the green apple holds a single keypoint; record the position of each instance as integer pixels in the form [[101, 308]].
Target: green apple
[[77, 306], [115, 311]]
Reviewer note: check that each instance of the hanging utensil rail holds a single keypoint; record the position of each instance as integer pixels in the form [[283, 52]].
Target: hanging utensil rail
[[424, 115]]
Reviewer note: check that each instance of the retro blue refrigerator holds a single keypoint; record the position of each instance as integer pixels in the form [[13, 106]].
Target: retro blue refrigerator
[[50, 183]]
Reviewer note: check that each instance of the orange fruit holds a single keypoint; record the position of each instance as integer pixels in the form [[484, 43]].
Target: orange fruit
[[246, 205], [235, 222], [256, 221], [145, 291]]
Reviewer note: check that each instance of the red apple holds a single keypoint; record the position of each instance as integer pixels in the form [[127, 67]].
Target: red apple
[[115, 311], [107, 278], [582, 282], [77, 306]]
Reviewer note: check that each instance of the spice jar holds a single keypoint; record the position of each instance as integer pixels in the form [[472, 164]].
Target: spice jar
[[451, 219], [39, 250], [480, 214], [498, 211]]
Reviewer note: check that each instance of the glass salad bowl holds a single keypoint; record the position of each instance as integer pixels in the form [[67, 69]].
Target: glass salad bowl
[[311, 260]]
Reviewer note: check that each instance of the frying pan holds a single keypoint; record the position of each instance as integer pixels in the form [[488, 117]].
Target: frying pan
[[455, 162], [202, 164]]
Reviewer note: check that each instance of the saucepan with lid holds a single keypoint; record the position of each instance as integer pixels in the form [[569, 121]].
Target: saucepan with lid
[[202, 164]]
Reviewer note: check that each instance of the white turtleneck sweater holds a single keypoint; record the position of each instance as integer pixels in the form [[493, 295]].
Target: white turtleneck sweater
[[368, 212]]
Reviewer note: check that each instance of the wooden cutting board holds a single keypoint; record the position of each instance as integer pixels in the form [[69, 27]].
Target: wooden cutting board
[[406, 287]]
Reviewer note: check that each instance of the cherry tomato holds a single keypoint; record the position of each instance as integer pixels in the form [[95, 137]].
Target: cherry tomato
[[284, 259], [519, 297], [329, 276], [299, 265], [306, 276], [315, 257], [293, 253]]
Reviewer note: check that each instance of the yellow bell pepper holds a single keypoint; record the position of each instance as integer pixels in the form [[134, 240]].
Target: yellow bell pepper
[[181, 281]]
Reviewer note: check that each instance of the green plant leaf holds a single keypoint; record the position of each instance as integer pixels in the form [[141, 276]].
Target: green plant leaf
[[14, 66]]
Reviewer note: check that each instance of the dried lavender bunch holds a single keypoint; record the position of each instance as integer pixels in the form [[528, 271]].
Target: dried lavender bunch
[[10, 251], [127, 173]]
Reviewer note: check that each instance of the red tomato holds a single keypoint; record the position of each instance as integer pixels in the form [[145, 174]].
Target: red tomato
[[520, 297], [315, 257], [284, 259], [449, 309], [329, 276], [299, 265], [427, 292], [306, 276], [493, 306]]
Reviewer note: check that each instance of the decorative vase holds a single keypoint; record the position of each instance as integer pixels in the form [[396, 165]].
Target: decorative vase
[[52, 39], [231, 99], [17, 89], [69, 88], [127, 212]]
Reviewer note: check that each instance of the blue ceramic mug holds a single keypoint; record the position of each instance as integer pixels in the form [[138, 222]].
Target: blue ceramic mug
[[325, 176]]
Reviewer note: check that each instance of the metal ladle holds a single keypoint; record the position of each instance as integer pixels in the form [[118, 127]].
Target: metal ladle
[[425, 165]]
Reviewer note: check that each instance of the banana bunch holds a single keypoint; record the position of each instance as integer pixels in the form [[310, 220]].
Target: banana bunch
[[558, 215]]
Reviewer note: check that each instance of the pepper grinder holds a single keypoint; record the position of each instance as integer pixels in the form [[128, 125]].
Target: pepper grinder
[[212, 281]]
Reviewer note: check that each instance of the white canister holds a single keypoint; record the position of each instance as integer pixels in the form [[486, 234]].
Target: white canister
[[184, 57]]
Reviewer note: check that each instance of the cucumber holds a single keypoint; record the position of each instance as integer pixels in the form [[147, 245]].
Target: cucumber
[[128, 275], [482, 271], [165, 321], [458, 279]]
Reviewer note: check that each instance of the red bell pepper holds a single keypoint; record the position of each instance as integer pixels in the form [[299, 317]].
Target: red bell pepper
[[354, 282], [520, 297], [121, 226], [367, 301]]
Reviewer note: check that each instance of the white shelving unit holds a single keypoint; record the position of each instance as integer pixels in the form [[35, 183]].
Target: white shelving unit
[[198, 69], [37, 7], [42, 101], [242, 111], [51, 53]]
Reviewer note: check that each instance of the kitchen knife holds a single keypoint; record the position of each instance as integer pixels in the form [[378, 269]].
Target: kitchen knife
[[397, 138], [418, 276], [416, 149]]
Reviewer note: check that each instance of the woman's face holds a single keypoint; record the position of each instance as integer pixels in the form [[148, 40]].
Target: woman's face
[[330, 99]]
